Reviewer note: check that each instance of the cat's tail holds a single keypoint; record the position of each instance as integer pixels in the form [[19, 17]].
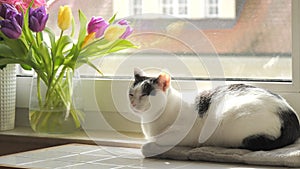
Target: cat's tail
[[290, 132]]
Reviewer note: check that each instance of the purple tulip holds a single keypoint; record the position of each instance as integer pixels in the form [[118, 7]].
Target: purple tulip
[[38, 19], [12, 23], [128, 30], [11, 28], [7, 11], [97, 25]]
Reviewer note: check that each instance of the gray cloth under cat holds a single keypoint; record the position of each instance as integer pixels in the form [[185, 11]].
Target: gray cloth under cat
[[288, 156]]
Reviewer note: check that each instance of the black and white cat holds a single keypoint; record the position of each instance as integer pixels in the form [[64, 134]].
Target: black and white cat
[[237, 115]]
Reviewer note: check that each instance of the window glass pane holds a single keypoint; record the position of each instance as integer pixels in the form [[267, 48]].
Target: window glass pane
[[138, 2], [213, 8], [249, 40], [182, 10]]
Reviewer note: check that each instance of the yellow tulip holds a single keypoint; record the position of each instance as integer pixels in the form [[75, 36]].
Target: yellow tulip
[[64, 17], [114, 32]]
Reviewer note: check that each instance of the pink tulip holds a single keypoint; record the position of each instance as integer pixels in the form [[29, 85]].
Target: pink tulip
[[128, 30], [24, 4], [97, 25]]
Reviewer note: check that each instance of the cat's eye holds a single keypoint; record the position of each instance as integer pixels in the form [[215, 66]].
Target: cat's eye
[[144, 95], [131, 95]]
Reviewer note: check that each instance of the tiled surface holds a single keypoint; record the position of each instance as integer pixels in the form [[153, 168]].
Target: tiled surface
[[80, 156]]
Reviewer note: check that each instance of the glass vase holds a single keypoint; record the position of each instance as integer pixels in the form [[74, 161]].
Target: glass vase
[[56, 105]]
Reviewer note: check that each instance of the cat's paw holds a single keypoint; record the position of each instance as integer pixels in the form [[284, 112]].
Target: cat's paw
[[151, 149]]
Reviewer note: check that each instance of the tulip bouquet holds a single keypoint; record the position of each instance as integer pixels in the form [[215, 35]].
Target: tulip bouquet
[[25, 40]]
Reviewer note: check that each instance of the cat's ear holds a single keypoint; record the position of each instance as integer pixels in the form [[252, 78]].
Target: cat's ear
[[138, 72], [163, 81]]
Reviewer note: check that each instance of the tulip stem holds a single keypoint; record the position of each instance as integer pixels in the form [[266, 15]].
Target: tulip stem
[[39, 90], [39, 38], [55, 55]]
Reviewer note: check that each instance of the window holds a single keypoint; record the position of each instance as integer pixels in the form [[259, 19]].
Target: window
[[182, 7], [212, 7], [177, 8], [255, 46], [167, 7], [137, 7], [259, 46]]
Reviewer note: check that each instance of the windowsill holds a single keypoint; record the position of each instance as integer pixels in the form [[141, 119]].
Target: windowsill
[[125, 139], [23, 139]]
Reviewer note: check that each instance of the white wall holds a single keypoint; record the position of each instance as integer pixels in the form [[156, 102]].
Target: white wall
[[151, 6], [121, 7], [227, 9], [196, 9]]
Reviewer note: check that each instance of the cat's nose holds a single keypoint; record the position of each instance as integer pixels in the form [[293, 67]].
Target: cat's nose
[[133, 104]]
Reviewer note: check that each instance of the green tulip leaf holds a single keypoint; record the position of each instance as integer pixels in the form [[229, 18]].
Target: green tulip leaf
[[51, 36], [112, 19], [64, 42], [94, 67], [121, 44], [82, 31], [6, 51], [26, 67], [59, 60]]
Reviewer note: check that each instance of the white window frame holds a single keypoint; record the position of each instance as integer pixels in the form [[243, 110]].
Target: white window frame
[[290, 91], [209, 6]]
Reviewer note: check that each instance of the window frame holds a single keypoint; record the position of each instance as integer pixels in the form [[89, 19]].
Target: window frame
[[290, 91], [294, 86], [209, 6]]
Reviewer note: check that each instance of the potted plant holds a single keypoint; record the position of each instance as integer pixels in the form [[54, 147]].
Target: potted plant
[[25, 40]]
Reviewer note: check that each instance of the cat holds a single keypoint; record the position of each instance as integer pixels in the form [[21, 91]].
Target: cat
[[232, 116]]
